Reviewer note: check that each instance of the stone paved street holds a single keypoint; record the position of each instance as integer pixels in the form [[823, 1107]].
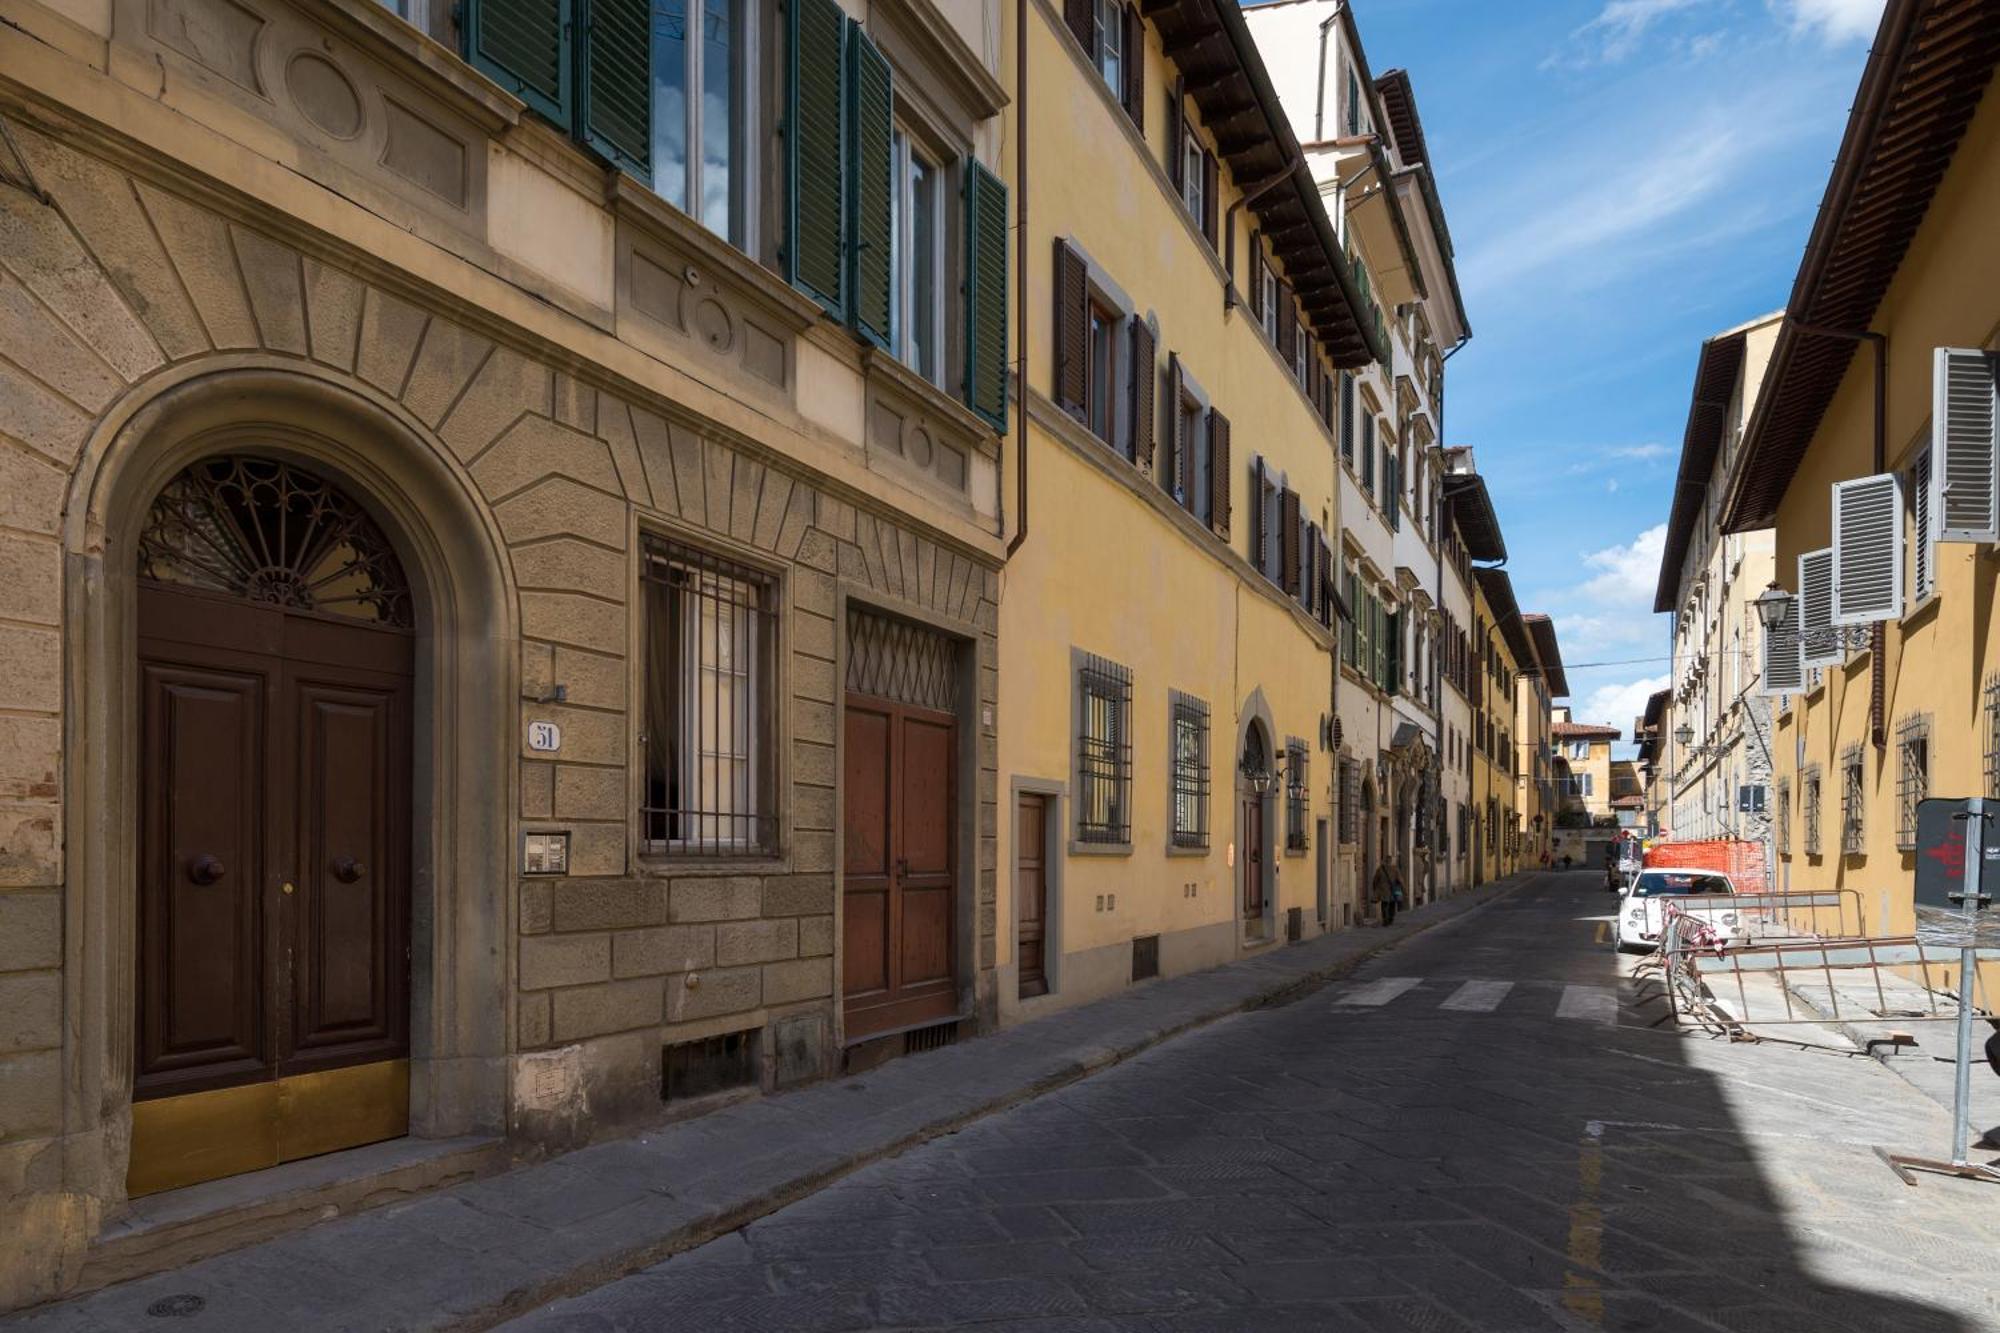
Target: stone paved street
[[1479, 1130]]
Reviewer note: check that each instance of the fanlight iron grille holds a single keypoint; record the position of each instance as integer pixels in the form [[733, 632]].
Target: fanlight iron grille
[[268, 532], [901, 662]]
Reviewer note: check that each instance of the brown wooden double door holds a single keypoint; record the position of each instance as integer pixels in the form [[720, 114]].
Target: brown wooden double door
[[273, 895], [900, 902]]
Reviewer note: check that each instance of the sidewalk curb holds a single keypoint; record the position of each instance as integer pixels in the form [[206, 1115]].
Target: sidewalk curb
[[594, 1274]]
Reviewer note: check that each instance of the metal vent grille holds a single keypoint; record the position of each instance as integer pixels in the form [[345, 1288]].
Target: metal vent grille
[[1145, 957], [933, 1038], [901, 662], [713, 1064]]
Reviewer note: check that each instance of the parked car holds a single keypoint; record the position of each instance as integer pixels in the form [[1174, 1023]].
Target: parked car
[[1703, 894]]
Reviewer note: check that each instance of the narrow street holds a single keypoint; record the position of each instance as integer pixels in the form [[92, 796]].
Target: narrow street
[[1478, 1130]]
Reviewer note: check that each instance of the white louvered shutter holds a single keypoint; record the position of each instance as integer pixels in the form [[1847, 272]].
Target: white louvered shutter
[[1965, 452], [1923, 529], [1783, 673], [1867, 549], [1819, 641]]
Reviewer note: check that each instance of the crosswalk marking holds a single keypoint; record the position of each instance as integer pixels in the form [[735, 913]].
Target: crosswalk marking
[[1597, 1004], [1478, 997], [1380, 992]]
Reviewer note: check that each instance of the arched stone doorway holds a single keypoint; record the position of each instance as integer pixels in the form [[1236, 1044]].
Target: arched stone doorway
[[463, 725], [1254, 866], [275, 671]]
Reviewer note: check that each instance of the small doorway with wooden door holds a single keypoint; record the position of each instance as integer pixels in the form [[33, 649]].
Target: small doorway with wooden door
[[899, 793], [1254, 865], [1037, 866], [276, 644]]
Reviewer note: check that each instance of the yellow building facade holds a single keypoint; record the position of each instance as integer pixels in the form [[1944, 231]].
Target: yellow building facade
[[1903, 701], [1501, 646], [1166, 707]]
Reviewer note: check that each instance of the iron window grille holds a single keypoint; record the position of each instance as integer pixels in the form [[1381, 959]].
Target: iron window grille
[[1992, 716], [1851, 801], [1350, 802], [1104, 751], [1913, 775], [1492, 824], [1190, 771], [1783, 832], [711, 633], [1809, 801], [1295, 794]]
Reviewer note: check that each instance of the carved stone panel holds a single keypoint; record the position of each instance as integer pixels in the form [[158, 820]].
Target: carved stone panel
[[678, 297], [402, 133]]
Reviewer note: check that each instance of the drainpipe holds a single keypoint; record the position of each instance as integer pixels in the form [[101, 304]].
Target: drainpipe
[[1878, 638], [1021, 272], [1230, 300]]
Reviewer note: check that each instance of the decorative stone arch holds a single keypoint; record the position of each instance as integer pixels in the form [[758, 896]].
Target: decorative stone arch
[[1255, 720], [466, 719]]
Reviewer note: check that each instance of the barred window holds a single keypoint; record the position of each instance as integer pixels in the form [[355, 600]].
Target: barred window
[[1913, 775], [1295, 794], [1103, 751], [1492, 824], [1992, 735], [1190, 771], [710, 642], [1783, 832], [1350, 801], [1851, 801], [1809, 802]]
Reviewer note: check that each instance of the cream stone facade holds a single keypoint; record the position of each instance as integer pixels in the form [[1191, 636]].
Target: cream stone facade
[[314, 237], [1709, 582], [1363, 140]]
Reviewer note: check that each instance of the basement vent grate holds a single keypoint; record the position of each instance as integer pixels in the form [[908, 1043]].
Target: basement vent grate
[[1145, 957], [933, 1038], [713, 1064]]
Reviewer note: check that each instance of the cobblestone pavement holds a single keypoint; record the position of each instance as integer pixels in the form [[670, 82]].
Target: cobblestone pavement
[[1479, 1130]]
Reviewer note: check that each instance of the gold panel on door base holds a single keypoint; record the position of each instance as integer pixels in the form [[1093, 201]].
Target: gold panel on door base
[[201, 1136], [342, 1108]]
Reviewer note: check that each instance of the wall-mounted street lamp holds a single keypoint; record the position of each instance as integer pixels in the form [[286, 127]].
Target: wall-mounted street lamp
[[1684, 733], [1771, 604], [1260, 776]]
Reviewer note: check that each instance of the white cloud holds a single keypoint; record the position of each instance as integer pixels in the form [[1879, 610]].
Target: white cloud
[[1617, 704], [1832, 21], [1616, 32], [1627, 575], [1638, 451]]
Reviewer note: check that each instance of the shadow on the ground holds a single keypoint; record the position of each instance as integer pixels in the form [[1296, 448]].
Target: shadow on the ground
[[1391, 1166]]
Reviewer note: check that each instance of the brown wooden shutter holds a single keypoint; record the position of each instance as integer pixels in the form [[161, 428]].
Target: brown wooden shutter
[[1288, 322], [1072, 328], [1145, 380], [1177, 135], [1288, 539], [1135, 67], [1257, 277], [1171, 474], [1327, 592], [1218, 500], [1078, 15], [1211, 185]]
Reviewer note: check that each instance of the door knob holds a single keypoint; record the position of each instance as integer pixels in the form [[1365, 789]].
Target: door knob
[[347, 869], [206, 869]]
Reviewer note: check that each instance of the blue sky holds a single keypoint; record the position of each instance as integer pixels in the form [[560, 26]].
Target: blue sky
[[1622, 178]]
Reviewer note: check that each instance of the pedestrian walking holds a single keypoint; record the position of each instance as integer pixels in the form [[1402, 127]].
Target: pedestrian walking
[[1382, 892]]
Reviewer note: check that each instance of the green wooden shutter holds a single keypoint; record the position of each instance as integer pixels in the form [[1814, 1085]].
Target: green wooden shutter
[[816, 153], [615, 104], [986, 295], [524, 46], [1392, 674], [871, 102]]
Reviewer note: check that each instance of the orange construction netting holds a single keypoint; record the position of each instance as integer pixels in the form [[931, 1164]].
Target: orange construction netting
[[1742, 861]]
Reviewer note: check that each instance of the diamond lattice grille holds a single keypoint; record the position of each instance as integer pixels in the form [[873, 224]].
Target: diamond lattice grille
[[901, 662]]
